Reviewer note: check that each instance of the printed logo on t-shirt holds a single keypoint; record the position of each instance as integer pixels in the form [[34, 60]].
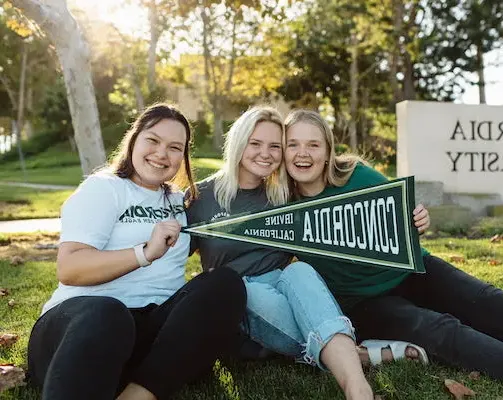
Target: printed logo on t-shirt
[[221, 214], [140, 214]]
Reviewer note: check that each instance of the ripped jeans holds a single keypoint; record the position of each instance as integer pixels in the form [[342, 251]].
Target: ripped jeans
[[292, 312]]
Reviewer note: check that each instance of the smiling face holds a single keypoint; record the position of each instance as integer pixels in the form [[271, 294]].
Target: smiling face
[[158, 153], [261, 156], [306, 156]]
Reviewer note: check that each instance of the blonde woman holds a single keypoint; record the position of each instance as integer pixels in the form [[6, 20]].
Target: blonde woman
[[289, 308], [454, 316]]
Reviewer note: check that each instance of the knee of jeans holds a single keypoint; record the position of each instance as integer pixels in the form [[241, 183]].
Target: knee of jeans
[[299, 270]]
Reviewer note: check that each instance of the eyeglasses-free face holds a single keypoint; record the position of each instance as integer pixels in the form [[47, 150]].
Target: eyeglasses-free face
[[158, 153], [262, 155], [306, 157]]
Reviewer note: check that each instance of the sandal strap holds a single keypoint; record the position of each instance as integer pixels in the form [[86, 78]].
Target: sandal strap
[[375, 355], [398, 349]]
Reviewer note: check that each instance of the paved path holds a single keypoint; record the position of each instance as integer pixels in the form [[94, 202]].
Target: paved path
[[38, 186], [31, 225]]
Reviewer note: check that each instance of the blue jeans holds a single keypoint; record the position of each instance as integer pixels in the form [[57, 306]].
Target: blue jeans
[[292, 312]]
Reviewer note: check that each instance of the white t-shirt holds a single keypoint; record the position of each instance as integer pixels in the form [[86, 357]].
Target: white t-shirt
[[111, 213]]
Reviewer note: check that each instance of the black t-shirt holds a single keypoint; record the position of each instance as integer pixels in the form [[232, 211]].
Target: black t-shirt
[[244, 258]]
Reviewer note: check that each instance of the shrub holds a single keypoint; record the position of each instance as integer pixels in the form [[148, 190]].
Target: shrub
[[203, 139], [112, 135], [452, 219], [488, 226], [201, 133], [37, 144]]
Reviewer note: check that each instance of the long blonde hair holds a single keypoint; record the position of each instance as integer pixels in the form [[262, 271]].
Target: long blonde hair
[[227, 178], [340, 167]]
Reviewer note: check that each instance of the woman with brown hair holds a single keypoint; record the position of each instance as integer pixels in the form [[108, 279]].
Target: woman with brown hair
[[122, 321]]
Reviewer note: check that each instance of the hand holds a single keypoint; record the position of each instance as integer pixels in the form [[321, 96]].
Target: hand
[[421, 218], [164, 236]]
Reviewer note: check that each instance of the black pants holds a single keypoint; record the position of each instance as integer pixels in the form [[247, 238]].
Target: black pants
[[90, 347], [456, 318]]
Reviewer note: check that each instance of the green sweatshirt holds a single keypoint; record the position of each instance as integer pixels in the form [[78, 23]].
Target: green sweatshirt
[[351, 282]]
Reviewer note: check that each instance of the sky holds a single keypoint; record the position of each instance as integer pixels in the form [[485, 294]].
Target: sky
[[494, 82], [131, 20]]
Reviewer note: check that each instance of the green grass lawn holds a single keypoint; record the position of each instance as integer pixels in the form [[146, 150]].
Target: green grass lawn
[[31, 283], [59, 166], [24, 203], [72, 174], [68, 175]]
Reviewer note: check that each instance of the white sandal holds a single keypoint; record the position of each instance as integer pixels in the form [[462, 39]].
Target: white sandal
[[375, 347]]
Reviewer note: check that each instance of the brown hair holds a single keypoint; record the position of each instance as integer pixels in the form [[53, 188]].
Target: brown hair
[[121, 163]]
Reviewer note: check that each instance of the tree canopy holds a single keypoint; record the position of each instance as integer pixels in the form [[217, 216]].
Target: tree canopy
[[352, 60]]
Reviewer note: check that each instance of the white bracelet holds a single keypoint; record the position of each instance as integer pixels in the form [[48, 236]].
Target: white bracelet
[[140, 255]]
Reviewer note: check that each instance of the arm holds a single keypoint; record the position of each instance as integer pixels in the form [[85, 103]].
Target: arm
[[79, 264], [88, 219]]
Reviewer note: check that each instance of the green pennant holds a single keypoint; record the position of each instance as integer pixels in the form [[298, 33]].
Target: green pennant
[[370, 226]]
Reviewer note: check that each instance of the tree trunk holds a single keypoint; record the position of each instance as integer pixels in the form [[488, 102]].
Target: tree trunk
[[140, 102], [394, 58], [206, 52], [28, 126], [480, 73], [16, 133], [232, 61], [353, 102], [393, 79], [218, 129], [409, 89], [20, 103], [365, 122], [154, 38], [54, 19]]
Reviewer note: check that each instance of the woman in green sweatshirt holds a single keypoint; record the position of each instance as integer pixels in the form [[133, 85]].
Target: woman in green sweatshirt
[[452, 315]]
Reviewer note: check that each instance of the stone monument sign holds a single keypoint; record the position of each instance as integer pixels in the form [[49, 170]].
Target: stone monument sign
[[453, 148]]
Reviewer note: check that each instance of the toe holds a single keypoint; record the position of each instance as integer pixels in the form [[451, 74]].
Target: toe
[[411, 353]]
